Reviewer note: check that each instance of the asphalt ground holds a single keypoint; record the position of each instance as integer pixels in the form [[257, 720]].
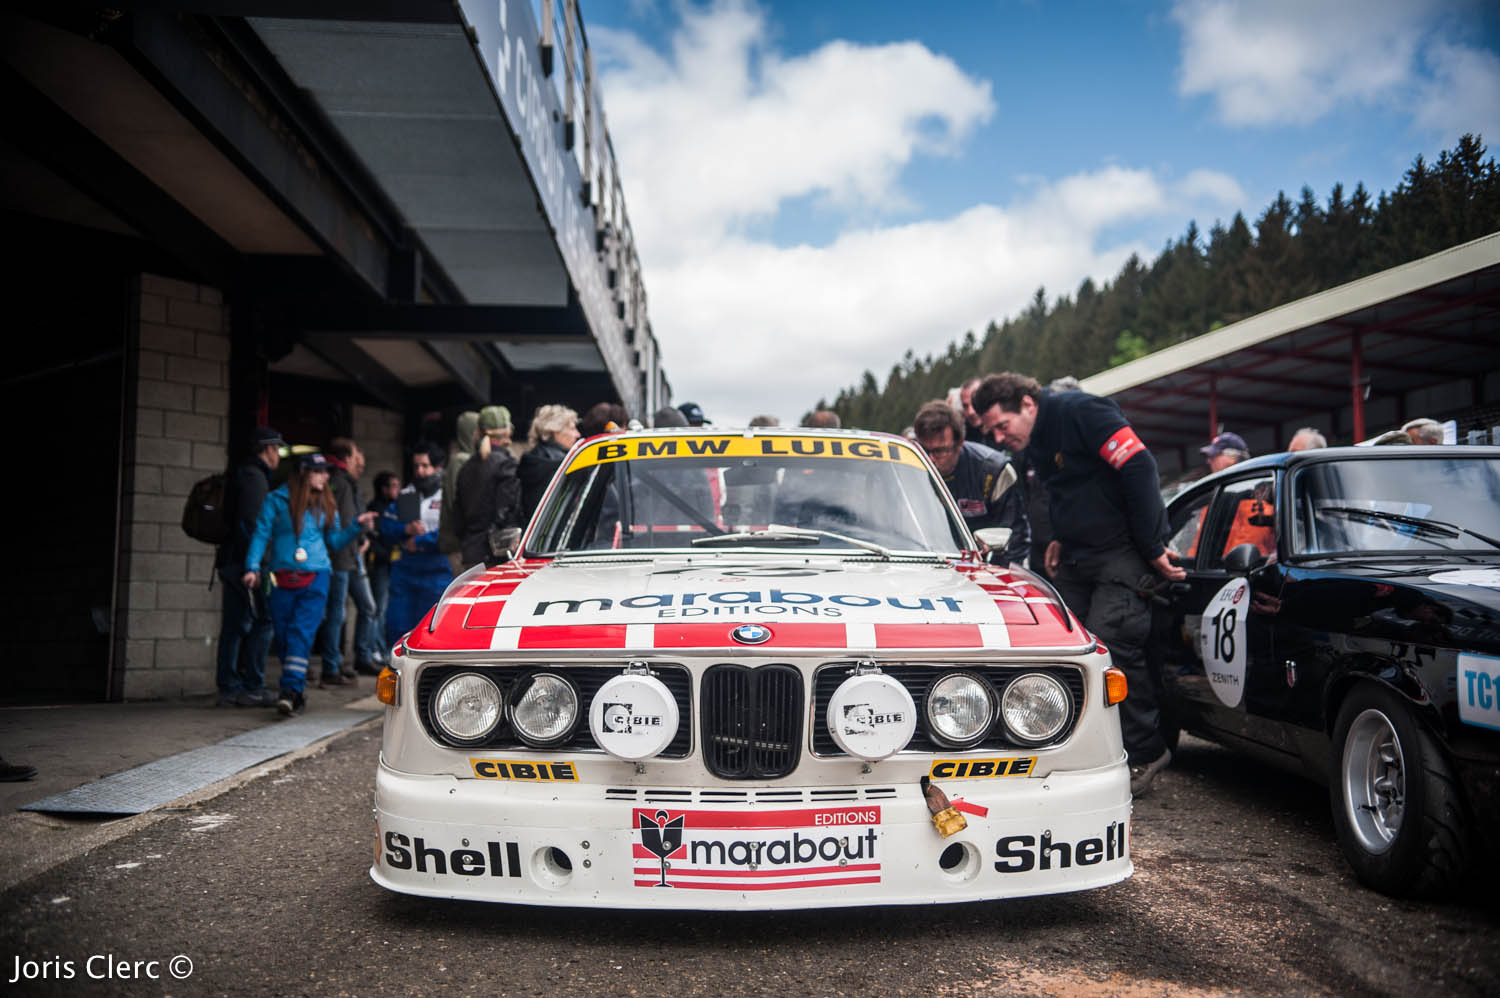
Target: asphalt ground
[[1239, 888], [74, 744]]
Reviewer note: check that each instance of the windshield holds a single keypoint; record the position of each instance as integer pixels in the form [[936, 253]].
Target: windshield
[[738, 492], [1415, 505]]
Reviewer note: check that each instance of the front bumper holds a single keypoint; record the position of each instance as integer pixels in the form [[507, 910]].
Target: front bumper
[[440, 836]]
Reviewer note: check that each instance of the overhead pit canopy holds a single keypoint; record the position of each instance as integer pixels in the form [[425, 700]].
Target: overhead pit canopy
[[434, 171], [511, 192], [1422, 339]]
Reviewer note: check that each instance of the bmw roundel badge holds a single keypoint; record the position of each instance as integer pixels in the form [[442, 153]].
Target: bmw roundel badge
[[751, 634]]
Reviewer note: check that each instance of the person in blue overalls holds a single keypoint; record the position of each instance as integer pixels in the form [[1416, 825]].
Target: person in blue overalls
[[300, 525], [421, 571]]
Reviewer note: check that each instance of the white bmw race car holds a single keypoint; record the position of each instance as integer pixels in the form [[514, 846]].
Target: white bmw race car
[[749, 669]]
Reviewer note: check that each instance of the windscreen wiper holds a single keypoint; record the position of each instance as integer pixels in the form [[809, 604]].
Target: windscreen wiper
[[779, 534], [656, 486], [1439, 527]]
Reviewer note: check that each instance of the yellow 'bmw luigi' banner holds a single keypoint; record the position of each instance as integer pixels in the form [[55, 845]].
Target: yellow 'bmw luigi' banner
[[736, 445]]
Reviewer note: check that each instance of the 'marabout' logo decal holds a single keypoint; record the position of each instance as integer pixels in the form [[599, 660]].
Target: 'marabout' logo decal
[[747, 601], [757, 850]]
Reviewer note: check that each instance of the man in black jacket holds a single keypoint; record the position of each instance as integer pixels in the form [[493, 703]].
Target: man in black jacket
[[347, 577], [981, 480], [246, 632], [1109, 530]]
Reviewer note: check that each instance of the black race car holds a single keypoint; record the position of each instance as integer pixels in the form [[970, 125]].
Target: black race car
[[1341, 617]]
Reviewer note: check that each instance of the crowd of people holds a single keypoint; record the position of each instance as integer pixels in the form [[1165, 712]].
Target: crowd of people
[[299, 553], [1062, 471]]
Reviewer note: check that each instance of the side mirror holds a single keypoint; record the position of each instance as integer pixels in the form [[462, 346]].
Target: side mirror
[[993, 537], [503, 544], [1243, 558]]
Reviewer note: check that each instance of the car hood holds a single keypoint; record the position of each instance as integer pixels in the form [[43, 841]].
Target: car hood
[[699, 602], [1474, 581]]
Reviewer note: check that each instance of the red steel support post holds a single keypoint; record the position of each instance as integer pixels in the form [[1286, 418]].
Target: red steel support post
[[1213, 406], [1356, 376]]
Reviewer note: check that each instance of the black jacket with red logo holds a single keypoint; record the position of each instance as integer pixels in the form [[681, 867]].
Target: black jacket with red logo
[[1102, 482], [988, 495]]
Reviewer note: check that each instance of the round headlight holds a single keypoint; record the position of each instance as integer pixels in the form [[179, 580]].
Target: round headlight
[[467, 707], [1035, 707], [960, 708], [547, 712]]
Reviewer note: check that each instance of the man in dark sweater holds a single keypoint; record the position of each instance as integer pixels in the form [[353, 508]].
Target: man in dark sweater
[[347, 577], [1109, 530], [246, 632], [981, 481], [489, 488]]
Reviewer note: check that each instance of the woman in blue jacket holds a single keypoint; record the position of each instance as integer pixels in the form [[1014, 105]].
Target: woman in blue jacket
[[300, 525]]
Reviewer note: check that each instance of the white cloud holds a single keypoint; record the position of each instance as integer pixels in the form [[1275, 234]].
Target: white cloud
[[1276, 62], [1463, 94], [725, 129], [753, 327], [1214, 187], [722, 131]]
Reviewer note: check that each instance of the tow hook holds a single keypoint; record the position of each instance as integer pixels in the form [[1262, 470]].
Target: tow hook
[[945, 817]]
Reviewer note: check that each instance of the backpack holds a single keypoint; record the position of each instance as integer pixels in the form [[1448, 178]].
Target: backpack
[[203, 516]]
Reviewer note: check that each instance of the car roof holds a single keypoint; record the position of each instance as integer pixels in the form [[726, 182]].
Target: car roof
[[1293, 459], [750, 431]]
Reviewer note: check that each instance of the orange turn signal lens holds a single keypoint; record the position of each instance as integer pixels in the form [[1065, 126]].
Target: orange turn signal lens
[[1115, 687], [387, 683]]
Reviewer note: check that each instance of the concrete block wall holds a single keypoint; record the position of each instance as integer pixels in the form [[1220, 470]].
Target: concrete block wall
[[171, 617], [378, 433]]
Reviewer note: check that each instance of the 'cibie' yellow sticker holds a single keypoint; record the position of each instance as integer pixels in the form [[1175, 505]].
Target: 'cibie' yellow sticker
[[973, 769], [531, 772], [742, 446]]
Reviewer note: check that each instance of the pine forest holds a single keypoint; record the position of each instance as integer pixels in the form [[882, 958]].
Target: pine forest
[[1198, 284]]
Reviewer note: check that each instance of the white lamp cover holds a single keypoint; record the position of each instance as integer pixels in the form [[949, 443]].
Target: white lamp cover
[[633, 717], [871, 716]]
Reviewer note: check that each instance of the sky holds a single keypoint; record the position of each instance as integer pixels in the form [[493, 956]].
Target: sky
[[817, 187]]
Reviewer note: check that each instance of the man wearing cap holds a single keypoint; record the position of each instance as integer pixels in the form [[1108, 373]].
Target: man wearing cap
[[693, 413], [488, 493], [1224, 450], [1109, 531], [246, 631]]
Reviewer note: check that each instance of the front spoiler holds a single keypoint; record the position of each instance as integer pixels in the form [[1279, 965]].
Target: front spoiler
[[439, 836]]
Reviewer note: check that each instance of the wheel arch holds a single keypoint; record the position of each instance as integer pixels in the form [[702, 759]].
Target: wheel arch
[[1393, 677]]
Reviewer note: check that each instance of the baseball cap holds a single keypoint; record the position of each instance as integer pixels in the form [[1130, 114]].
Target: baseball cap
[[494, 417], [313, 462], [693, 412], [264, 436], [1224, 442]]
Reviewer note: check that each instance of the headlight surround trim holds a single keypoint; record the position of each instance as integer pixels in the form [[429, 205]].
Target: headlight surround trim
[[472, 691], [1037, 692], [518, 702], [952, 741]]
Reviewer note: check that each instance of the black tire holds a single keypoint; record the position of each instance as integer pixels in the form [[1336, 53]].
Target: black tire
[[1382, 755]]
